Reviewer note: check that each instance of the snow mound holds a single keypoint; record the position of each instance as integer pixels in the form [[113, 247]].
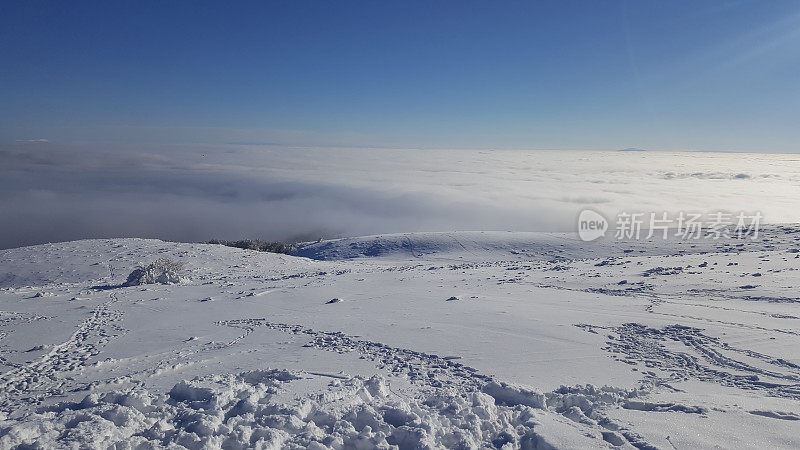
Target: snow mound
[[160, 271], [237, 411], [510, 395]]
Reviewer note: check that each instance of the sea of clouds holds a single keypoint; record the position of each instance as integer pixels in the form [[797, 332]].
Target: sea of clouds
[[51, 192]]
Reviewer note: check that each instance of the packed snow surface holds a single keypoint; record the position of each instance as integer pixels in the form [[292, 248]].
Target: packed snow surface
[[422, 340]]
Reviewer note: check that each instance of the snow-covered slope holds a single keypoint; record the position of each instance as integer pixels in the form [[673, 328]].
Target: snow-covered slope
[[434, 340], [531, 246]]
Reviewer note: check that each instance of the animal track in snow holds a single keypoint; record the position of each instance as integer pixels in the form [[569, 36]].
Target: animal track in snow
[[583, 405], [44, 377], [701, 357]]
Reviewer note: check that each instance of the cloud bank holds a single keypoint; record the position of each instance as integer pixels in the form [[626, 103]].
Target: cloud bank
[[53, 192]]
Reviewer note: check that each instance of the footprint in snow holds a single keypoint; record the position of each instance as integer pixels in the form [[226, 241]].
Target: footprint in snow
[[776, 415], [37, 348]]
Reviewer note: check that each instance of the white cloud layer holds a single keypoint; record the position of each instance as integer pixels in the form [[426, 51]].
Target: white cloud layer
[[53, 193]]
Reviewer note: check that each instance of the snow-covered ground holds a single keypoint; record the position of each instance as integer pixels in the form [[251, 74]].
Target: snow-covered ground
[[528, 340]]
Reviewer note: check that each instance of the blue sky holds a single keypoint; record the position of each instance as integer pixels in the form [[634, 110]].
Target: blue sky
[[667, 75]]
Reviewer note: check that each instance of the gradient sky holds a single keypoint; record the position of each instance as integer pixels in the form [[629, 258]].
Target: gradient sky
[[666, 75]]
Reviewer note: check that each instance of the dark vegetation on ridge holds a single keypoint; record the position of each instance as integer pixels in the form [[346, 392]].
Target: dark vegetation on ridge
[[258, 245]]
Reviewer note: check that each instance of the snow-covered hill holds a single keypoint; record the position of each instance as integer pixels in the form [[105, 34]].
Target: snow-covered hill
[[485, 246], [433, 340]]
